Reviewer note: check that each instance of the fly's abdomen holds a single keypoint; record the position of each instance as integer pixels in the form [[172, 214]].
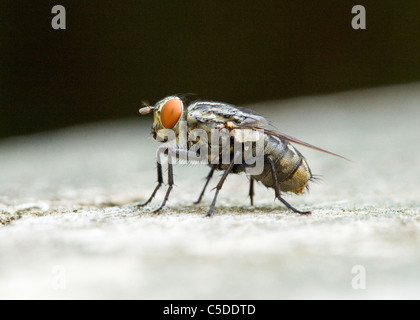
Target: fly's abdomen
[[292, 171]]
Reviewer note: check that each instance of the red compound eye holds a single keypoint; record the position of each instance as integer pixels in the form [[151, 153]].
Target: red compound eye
[[171, 112]]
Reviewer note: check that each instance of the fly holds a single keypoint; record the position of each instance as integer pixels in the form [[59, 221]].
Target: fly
[[283, 168]]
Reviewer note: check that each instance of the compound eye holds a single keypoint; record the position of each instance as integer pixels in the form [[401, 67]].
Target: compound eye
[[171, 112]]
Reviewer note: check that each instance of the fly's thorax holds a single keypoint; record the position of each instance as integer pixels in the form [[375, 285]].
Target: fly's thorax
[[222, 144]]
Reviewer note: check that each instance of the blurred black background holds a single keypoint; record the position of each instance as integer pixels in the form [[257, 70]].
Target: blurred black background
[[113, 54]]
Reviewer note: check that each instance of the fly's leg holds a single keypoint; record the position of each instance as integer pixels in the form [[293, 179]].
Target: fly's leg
[[251, 190], [277, 190], [220, 184], [210, 175], [160, 181], [170, 185], [170, 152]]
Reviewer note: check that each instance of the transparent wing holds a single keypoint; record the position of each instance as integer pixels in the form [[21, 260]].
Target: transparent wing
[[289, 138], [218, 112]]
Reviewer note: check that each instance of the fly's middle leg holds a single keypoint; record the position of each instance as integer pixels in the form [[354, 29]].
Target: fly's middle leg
[[209, 176], [277, 189], [222, 180]]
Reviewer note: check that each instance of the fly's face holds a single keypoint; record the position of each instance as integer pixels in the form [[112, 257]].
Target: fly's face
[[167, 113]]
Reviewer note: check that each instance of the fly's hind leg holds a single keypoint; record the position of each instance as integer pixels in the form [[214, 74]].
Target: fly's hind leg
[[251, 190], [277, 190]]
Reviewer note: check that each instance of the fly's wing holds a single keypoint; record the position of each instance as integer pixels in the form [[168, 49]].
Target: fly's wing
[[286, 137], [218, 113]]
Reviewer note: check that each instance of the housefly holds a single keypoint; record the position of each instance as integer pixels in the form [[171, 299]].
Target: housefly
[[283, 168]]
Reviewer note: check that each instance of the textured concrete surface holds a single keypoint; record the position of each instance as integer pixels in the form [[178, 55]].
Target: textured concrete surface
[[69, 228]]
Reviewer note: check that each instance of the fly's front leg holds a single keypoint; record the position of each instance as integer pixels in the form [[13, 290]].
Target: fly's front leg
[[209, 176], [170, 184], [171, 153], [277, 189], [160, 181]]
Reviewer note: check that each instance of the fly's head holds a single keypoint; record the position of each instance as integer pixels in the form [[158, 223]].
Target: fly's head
[[168, 114]]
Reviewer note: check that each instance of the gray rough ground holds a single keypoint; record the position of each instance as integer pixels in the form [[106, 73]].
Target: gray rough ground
[[69, 228]]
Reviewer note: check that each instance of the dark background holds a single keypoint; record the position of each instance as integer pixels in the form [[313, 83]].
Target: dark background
[[113, 54]]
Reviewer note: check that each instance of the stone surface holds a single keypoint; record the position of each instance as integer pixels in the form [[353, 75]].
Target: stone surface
[[69, 227]]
